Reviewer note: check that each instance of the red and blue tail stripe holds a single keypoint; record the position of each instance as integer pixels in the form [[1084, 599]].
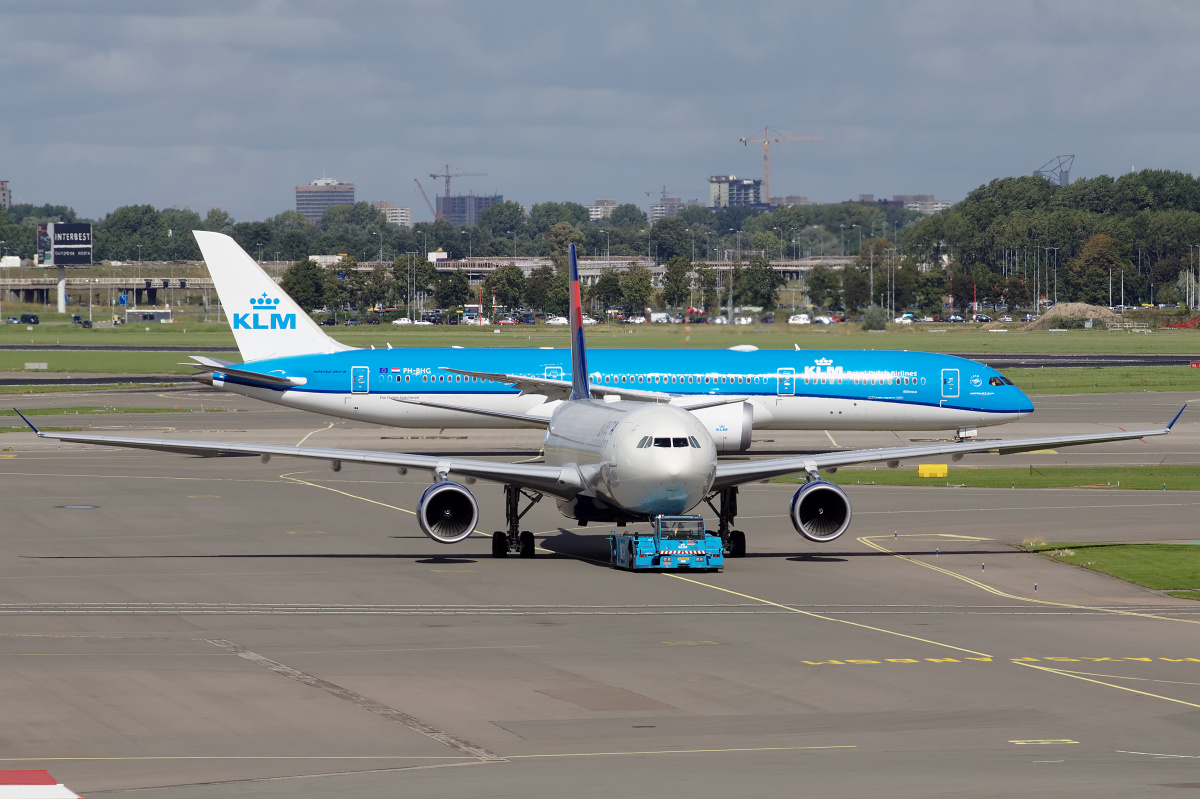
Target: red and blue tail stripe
[[579, 372]]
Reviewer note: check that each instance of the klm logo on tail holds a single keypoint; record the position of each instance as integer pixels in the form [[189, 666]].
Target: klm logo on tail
[[275, 321]]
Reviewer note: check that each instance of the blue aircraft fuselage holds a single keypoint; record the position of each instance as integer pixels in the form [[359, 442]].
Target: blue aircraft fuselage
[[787, 389]]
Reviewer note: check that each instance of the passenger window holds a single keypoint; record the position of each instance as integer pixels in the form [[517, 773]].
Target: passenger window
[[662, 442], [679, 442], [407, 378]]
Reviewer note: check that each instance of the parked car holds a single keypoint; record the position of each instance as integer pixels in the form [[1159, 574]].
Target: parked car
[[423, 323], [330, 322], [86, 324], [955, 318], [12, 320], [404, 320], [767, 320], [1006, 318], [29, 319], [981, 317], [903, 320], [76, 319], [744, 320], [351, 323], [1029, 317], [587, 320], [557, 321], [823, 320], [799, 319]]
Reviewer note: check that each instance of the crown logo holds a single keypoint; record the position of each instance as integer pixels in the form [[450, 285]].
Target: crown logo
[[264, 301], [823, 362]]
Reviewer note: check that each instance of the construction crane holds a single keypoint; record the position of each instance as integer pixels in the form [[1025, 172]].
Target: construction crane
[[766, 143], [436, 215], [448, 174], [664, 190]]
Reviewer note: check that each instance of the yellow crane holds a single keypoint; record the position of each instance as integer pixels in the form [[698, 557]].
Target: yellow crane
[[766, 143]]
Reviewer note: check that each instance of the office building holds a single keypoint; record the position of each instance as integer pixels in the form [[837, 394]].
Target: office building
[[313, 199], [601, 209], [729, 190], [400, 216], [669, 206], [464, 209], [5, 195]]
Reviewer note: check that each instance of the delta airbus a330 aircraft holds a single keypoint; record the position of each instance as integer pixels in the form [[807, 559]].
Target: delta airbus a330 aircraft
[[614, 461], [289, 360]]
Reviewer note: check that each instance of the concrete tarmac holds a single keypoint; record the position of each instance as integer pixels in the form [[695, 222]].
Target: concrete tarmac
[[184, 627]]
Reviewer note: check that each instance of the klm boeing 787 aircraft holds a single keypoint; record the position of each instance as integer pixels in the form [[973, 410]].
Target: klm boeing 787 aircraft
[[289, 360]]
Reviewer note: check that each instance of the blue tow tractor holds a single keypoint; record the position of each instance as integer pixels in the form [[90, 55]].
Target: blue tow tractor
[[674, 542]]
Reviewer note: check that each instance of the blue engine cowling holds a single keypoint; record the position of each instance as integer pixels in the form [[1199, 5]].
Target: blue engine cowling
[[820, 511], [447, 512]]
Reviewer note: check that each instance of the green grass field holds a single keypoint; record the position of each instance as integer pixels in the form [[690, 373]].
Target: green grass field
[[1173, 568], [1175, 478]]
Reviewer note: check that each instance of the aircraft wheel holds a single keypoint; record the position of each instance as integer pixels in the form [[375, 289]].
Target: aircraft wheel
[[499, 545], [737, 544], [526, 544]]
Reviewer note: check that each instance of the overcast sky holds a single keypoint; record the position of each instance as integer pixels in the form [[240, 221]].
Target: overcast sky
[[232, 104]]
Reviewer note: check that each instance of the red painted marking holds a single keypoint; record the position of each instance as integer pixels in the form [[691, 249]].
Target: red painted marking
[[27, 778], [1196, 364]]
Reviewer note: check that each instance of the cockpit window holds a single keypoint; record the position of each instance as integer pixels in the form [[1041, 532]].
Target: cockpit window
[[662, 442], [996, 381], [645, 442], [679, 442], [695, 444]]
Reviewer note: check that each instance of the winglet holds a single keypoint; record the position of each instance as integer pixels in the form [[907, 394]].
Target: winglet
[[34, 429], [1176, 419], [579, 371]]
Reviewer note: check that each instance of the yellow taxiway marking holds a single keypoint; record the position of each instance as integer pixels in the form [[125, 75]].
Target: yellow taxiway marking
[[870, 541], [306, 532], [288, 476], [826, 618], [434, 757], [318, 430], [1078, 676], [1044, 741]]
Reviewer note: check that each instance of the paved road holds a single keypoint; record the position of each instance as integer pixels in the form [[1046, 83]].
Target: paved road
[[215, 627]]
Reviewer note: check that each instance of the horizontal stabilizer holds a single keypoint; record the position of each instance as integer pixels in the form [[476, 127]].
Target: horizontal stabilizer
[[243, 375]]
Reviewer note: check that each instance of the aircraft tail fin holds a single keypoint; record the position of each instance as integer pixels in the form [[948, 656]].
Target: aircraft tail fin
[[266, 322], [580, 388]]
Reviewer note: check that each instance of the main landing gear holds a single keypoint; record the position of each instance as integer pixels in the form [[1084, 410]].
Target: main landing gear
[[515, 540], [734, 540]]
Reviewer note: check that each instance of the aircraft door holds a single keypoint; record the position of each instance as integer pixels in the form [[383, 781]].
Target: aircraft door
[[949, 383], [785, 384], [360, 377]]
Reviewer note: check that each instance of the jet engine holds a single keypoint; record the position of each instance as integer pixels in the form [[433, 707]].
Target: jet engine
[[447, 512], [820, 511], [729, 425]]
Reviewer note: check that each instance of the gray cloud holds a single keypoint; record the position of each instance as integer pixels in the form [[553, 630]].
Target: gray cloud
[[231, 104]]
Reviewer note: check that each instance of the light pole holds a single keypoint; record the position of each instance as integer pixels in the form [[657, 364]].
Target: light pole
[[411, 282], [843, 227], [259, 245], [1056, 276], [607, 249], [380, 235], [859, 236]]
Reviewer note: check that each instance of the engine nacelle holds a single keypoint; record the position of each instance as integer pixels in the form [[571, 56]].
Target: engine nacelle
[[820, 511], [729, 425], [447, 512]]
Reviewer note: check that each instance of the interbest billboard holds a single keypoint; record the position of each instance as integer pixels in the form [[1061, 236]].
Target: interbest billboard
[[64, 243]]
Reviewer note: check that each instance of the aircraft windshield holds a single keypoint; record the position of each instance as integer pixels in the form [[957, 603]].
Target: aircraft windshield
[[682, 529]]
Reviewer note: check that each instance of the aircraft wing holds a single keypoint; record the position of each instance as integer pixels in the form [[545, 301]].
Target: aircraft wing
[[732, 474], [558, 481], [558, 389]]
